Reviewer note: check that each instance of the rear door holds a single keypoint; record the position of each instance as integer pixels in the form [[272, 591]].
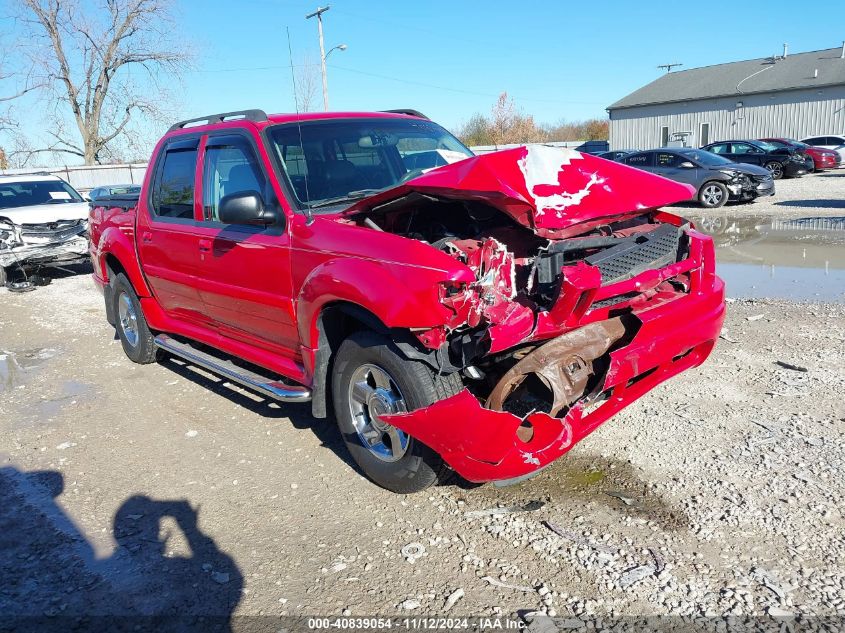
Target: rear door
[[166, 236], [244, 270], [641, 160]]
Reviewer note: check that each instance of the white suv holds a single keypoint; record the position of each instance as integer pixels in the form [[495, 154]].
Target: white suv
[[43, 221]]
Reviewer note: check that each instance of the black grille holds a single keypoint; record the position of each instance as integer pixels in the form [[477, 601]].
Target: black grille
[[639, 253]]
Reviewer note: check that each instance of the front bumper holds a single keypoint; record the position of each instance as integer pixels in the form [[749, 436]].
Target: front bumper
[[72, 250], [481, 444], [792, 169]]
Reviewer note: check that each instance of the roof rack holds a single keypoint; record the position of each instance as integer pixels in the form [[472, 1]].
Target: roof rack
[[407, 111], [240, 115]]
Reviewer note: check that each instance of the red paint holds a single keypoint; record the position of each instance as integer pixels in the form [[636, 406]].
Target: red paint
[[259, 295], [822, 158]]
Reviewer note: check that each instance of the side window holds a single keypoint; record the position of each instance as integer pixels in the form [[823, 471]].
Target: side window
[[173, 192], [666, 160], [721, 148], [230, 167], [744, 148], [640, 160]]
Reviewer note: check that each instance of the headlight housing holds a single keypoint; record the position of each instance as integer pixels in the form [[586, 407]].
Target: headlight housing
[[9, 234]]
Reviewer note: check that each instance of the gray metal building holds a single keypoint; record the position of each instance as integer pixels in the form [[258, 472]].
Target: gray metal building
[[789, 95]]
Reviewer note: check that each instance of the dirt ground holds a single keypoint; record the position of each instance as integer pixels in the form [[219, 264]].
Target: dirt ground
[[159, 489]]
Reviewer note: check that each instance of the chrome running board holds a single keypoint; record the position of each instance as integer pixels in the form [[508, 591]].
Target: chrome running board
[[272, 388]]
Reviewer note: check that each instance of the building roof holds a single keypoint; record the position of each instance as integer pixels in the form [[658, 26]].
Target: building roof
[[769, 74]]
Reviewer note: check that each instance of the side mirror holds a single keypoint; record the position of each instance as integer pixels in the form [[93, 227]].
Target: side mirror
[[687, 165], [245, 207]]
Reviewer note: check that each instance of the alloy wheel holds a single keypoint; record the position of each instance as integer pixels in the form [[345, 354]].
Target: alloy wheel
[[128, 319], [373, 394], [712, 195]]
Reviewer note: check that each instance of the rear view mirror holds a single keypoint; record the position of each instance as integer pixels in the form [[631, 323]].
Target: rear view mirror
[[245, 207], [687, 165], [377, 139]]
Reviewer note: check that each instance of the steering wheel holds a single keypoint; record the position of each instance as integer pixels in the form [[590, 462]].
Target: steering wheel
[[411, 174]]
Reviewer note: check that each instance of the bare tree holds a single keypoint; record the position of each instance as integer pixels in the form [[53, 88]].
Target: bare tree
[[307, 83], [103, 62]]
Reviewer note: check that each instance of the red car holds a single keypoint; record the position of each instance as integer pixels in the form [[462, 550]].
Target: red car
[[822, 158], [475, 314]]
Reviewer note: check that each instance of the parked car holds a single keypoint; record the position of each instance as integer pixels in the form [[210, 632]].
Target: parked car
[[833, 142], [781, 161], [715, 179], [822, 158], [480, 317], [616, 154], [113, 190], [43, 221]]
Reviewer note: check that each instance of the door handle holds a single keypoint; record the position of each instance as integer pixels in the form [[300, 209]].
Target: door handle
[[147, 237], [204, 245]]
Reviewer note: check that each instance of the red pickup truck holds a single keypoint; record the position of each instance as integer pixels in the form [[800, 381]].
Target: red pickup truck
[[454, 313]]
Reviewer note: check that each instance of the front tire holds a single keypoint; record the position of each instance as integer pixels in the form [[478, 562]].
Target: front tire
[[131, 326], [371, 378], [776, 168], [713, 195]]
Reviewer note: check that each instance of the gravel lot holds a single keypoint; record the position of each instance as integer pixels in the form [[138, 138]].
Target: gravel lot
[[160, 490]]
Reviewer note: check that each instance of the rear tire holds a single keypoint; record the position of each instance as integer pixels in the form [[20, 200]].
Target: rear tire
[[131, 326], [712, 195], [371, 377]]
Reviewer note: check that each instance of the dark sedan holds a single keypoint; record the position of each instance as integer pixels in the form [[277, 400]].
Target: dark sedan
[[715, 178], [780, 161]]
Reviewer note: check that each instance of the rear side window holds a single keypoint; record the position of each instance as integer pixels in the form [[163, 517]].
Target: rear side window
[[173, 192], [721, 148], [640, 160]]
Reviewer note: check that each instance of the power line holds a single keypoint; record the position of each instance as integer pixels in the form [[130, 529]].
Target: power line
[[400, 80]]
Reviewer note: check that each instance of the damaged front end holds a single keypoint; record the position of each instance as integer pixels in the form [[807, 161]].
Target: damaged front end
[[585, 297], [32, 245]]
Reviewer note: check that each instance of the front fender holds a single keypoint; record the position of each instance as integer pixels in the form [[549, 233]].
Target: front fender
[[120, 243], [400, 295]]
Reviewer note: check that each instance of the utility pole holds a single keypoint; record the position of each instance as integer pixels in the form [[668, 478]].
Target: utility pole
[[319, 14]]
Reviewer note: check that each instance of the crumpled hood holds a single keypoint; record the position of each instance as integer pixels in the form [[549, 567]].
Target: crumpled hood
[[45, 213], [542, 187]]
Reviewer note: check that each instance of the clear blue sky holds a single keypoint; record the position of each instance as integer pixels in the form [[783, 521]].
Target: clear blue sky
[[450, 59]]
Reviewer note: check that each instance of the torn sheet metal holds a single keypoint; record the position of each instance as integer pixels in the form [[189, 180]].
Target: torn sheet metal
[[543, 188], [486, 445]]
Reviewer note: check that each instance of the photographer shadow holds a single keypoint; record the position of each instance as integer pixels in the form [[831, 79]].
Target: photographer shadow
[[166, 574]]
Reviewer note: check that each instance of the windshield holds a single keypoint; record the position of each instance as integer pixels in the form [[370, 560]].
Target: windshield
[[25, 194], [330, 162], [707, 158]]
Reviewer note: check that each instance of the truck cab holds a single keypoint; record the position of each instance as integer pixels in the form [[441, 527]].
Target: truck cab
[[454, 313]]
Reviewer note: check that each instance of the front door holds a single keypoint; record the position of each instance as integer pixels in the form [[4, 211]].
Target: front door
[[747, 153], [668, 165], [244, 270], [166, 231]]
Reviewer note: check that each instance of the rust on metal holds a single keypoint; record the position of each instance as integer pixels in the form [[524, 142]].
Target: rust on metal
[[564, 364]]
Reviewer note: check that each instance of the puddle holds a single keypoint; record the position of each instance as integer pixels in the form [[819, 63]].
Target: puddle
[[575, 479], [798, 258], [70, 392], [14, 366]]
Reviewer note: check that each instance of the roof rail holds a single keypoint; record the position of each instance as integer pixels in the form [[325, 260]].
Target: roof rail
[[240, 115], [10, 173], [407, 111]]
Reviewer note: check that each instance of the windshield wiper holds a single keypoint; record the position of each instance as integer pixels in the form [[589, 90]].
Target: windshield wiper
[[352, 195]]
